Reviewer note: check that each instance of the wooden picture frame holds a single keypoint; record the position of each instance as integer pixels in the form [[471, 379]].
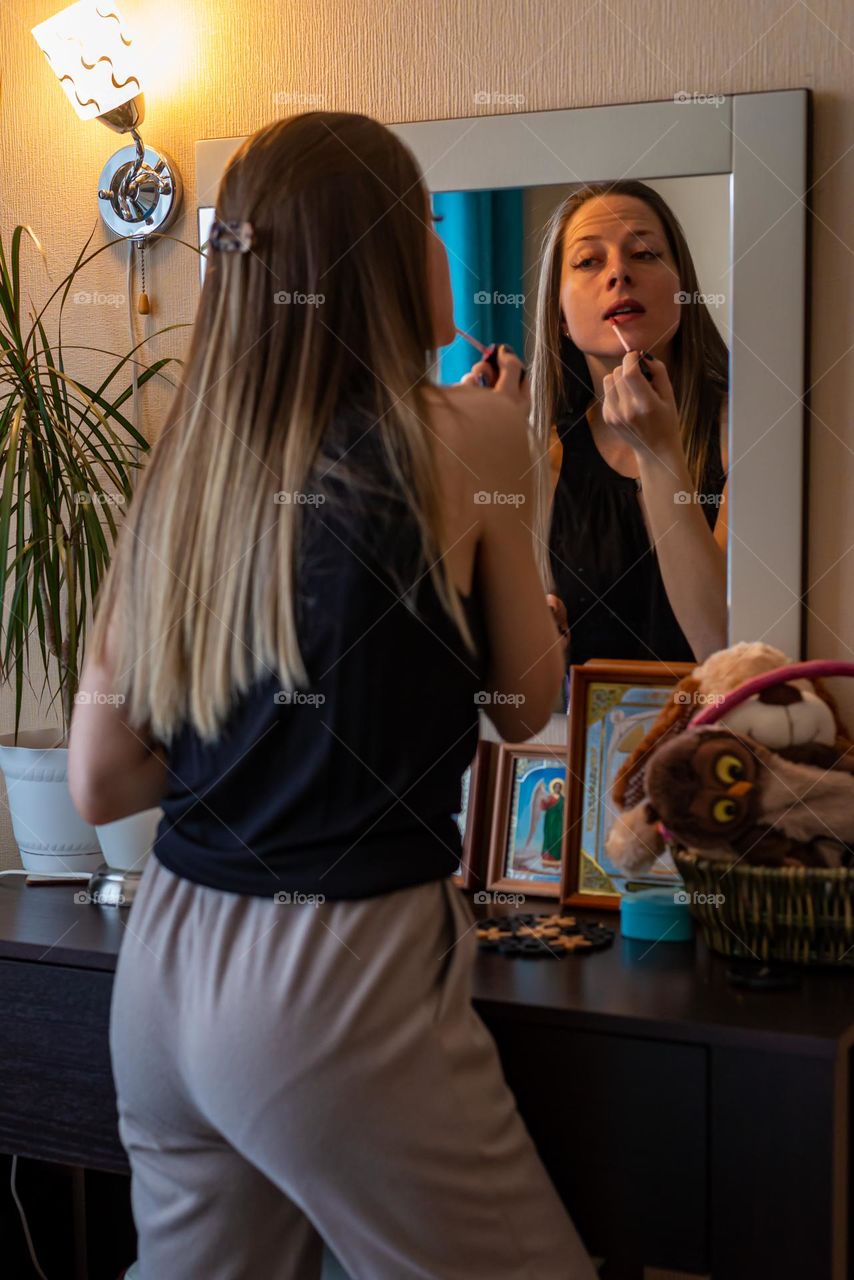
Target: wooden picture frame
[[474, 815], [612, 705], [520, 808]]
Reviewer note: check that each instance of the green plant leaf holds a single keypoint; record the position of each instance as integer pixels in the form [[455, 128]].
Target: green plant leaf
[[68, 452]]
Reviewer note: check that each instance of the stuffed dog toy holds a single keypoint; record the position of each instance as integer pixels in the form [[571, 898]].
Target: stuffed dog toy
[[794, 719]]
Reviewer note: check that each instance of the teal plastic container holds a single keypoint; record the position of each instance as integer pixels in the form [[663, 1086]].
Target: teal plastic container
[[656, 915]]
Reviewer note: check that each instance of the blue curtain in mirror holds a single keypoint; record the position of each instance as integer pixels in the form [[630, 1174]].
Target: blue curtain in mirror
[[482, 232]]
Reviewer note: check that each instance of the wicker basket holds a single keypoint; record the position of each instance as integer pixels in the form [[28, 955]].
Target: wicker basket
[[804, 915]]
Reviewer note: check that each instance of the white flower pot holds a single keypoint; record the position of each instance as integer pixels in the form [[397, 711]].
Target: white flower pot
[[50, 834], [126, 843]]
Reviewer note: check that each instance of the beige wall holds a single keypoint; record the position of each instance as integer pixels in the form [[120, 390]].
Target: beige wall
[[226, 64]]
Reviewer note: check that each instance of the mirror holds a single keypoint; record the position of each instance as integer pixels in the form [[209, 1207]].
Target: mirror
[[733, 171], [494, 243], [673, 263]]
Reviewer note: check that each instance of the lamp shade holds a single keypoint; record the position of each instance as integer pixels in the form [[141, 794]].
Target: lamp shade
[[93, 56]]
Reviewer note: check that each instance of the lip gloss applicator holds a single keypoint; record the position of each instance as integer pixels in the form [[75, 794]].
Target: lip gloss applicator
[[644, 367], [489, 354]]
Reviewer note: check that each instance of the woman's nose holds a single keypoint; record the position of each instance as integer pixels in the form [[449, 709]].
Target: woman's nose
[[620, 274]]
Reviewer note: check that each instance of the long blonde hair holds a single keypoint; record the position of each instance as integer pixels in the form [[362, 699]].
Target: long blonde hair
[[202, 580], [560, 379]]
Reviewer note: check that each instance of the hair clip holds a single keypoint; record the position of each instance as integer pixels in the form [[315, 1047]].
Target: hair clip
[[232, 236]]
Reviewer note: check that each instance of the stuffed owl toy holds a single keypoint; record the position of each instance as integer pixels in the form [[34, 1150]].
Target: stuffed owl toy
[[752, 690], [715, 790]]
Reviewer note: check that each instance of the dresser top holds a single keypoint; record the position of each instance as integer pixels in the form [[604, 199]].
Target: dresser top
[[673, 991]]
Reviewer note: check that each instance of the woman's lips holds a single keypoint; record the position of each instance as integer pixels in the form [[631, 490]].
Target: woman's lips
[[624, 317]]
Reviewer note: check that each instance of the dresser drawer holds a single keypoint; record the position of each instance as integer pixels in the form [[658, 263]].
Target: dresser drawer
[[617, 1121]]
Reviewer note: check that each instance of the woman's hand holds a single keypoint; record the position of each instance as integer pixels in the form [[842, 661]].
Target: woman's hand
[[643, 413], [511, 381], [558, 609]]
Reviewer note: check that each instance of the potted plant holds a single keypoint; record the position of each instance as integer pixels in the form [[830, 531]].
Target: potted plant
[[67, 460]]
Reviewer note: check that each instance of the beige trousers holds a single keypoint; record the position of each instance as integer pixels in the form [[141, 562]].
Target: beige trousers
[[292, 1073]]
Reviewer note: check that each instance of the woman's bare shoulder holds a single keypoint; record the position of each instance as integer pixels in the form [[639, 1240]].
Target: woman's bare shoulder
[[474, 422]]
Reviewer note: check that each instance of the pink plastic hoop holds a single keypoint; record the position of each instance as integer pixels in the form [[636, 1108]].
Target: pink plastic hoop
[[794, 671]]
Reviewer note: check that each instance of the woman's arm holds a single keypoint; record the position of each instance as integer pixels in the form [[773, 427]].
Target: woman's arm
[[693, 565], [722, 522], [113, 770], [692, 558], [526, 663]]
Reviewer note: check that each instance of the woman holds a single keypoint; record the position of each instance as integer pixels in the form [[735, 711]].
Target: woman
[[308, 603], [632, 519]]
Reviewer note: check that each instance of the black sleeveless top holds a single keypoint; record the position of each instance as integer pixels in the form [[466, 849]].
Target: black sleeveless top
[[604, 566], [349, 787]]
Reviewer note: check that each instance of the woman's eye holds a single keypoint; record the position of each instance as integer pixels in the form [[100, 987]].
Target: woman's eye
[[723, 811], [641, 253], [728, 768]]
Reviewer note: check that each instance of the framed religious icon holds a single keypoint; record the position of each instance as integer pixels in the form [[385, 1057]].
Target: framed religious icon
[[612, 705], [527, 819], [473, 817]]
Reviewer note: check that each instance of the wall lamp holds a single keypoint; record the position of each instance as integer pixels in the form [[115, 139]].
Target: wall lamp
[[90, 50]]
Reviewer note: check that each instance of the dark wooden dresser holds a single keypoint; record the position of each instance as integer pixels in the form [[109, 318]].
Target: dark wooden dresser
[[688, 1124]]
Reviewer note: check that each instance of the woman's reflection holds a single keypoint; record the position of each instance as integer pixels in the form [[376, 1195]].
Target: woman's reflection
[[632, 523]]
